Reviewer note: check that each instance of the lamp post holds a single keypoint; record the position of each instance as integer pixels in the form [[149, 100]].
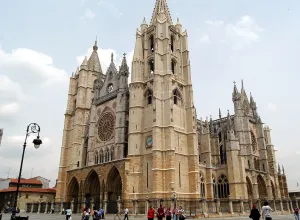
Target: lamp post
[[31, 128]]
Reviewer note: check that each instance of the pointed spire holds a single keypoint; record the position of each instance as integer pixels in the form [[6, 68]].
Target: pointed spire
[[279, 171], [229, 123], [95, 47], [178, 21], [94, 62], [235, 91], [112, 57], [283, 170], [220, 114], [242, 84], [124, 69], [252, 102], [84, 63], [144, 21], [161, 7]]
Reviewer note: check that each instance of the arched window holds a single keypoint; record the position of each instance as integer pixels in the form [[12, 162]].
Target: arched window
[[112, 152], [96, 157], [110, 75], [249, 165], [151, 66], [106, 155], [202, 186], [151, 39], [262, 188], [176, 97], [223, 187], [101, 157], [214, 188], [256, 164], [253, 142], [149, 97], [172, 43], [173, 64], [249, 187]]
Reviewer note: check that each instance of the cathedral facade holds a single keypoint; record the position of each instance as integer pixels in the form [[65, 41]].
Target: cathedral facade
[[140, 143]]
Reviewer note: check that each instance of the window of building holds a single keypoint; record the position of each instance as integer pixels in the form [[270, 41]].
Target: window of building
[[26, 196], [172, 43], [176, 97], [214, 187], [112, 154], [41, 196], [151, 39], [202, 186], [149, 97], [110, 88], [173, 64], [77, 163], [223, 187], [151, 66]]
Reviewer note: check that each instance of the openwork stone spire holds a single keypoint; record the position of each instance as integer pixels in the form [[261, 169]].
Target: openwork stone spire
[[161, 7]]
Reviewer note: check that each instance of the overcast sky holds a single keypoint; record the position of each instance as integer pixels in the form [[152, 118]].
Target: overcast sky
[[43, 42]]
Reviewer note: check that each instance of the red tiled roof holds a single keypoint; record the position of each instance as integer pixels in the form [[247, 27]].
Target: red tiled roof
[[27, 181], [33, 190]]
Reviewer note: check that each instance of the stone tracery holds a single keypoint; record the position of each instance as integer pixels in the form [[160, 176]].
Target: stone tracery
[[106, 126]]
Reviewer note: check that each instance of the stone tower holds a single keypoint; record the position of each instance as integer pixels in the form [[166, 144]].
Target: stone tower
[[76, 117], [162, 118]]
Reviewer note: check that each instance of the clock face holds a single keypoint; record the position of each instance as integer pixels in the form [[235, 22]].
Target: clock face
[[149, 142]]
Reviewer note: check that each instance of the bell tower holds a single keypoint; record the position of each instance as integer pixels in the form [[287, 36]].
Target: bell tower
[[162, 116]]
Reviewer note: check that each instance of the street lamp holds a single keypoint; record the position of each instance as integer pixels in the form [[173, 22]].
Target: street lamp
[[31, 129]]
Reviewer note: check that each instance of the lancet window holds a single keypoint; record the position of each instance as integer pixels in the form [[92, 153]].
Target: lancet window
[[172, 43], [149, 97], [176, 97], [202, 186], [223, 187], [151, 66], [173, 65], [151, 39]]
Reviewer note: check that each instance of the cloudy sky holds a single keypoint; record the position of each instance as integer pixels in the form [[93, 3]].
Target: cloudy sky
[[43, 42]]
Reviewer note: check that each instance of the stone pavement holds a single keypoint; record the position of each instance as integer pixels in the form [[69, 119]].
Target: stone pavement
[[77, 217]]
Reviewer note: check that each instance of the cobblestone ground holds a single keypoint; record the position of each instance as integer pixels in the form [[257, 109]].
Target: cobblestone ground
[[77, 217]]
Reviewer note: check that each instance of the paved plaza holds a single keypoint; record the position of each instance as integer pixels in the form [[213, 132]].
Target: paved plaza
[[77, 217]]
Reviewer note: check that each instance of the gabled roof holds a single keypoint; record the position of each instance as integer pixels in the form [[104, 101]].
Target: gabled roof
[[27, 181]]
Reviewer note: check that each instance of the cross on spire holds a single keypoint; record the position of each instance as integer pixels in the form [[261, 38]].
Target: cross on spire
[[124, 54]]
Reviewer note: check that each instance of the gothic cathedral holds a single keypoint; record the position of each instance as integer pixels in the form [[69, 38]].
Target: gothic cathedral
[[128, 145]]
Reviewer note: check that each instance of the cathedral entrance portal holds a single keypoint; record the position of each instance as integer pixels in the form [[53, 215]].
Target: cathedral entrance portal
[[73, 194], [92, 190], [114, 190]]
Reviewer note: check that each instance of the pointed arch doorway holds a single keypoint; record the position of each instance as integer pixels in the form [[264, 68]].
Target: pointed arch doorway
[[73, 193], [114, 190], [92, 190]]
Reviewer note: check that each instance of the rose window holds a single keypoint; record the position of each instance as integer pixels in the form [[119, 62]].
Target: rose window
[[106, 126]]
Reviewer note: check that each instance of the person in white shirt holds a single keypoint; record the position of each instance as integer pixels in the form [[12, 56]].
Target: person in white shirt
[[266, 211], [126, 214], [68, 213]]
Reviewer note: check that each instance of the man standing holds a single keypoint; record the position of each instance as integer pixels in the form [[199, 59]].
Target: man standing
[[68, 213], [266, 211], [126, 214]]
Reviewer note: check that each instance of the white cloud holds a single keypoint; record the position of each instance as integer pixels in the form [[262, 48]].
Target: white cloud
[[239, 34], [89, 14], [36, 67], [9, 109]]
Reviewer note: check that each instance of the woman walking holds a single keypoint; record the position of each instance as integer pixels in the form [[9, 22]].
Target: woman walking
[[254, 214]]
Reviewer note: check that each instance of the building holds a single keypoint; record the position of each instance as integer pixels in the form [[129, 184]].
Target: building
[[132, 145], [31, 191], [45, 181]]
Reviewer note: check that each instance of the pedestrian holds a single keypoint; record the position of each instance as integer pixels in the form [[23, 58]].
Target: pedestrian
[[86, 214], [102, 213], [168, 214], [160, 212], [296, 213], [254, 214], [175, 211], [68, 213], [126, 214], [266, 211], [151, 213], [181, 213]]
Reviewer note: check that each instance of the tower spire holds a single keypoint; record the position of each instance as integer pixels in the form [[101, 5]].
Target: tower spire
[[161, 7]]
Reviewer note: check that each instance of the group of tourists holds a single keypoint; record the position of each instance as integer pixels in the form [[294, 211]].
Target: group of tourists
[[161, 212], [266, 212]]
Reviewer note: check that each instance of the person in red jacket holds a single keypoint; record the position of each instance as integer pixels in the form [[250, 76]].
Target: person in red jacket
[[151, 213]]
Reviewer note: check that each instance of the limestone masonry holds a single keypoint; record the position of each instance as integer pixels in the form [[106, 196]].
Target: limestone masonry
[[128, 145]]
